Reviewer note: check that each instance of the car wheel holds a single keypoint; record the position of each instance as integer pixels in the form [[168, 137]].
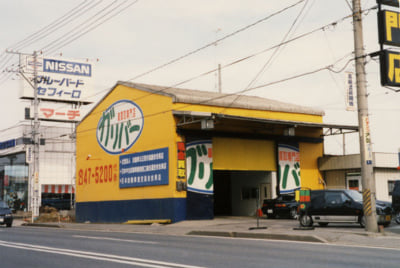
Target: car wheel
[[397, 217], [362, 221], [305, 220], [293, 213], [323, 224]]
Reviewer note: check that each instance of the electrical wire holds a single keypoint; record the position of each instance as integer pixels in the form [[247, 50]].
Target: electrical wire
[[105, 19], [327, 67], [256, 54], [274, 53], [76, 30], [51, 27], [334, 23], [215, 42]]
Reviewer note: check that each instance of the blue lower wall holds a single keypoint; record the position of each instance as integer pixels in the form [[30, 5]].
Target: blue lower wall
[[199, 206], [122, 211]]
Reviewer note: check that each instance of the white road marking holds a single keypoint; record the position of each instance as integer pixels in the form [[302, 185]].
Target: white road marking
[[115, 239], [97, 256]]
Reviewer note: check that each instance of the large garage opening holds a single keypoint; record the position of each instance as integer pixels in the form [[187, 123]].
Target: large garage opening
[[238, 193]]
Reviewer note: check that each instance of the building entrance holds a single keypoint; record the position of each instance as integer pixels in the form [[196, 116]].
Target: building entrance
[[238, 193]]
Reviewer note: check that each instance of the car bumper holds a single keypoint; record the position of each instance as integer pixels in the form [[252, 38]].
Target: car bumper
[[5, 219], [384, 219]]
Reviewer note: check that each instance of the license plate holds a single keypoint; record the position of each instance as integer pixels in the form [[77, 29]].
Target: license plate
[[388, 218], [270, 211]]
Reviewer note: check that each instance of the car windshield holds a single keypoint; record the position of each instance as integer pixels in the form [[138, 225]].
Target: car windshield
[[356, 196], [3, 204]]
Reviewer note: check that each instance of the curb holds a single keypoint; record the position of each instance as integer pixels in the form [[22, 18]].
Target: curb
[[43, 225], [306, 238]]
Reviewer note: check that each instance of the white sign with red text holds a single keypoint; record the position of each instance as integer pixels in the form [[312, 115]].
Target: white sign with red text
[[59, 114]]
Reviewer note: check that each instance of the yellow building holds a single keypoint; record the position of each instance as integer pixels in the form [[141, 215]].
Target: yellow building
[[146, 152]]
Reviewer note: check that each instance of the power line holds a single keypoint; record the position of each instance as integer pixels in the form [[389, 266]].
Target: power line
[[85, 24], [215, 42], [221, 96], [264, 67], [50, 27], [249, 57], [109, 14]]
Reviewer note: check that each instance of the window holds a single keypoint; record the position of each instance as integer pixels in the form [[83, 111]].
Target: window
[[333, 198], [391, 187], [249, 193]]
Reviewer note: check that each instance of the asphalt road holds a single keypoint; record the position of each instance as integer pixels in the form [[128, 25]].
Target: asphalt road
[[51, 247]]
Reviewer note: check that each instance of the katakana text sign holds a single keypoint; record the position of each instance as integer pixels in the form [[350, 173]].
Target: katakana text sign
[[59, 114], [389, 27], [58, 79], [390, 68]]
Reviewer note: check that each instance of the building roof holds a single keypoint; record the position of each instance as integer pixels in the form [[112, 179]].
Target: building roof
[[191, 96], [223, 99]]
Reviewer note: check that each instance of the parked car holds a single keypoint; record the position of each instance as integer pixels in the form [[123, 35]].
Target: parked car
[[6, 216], [396, 201], [282, 206], [340, 206]]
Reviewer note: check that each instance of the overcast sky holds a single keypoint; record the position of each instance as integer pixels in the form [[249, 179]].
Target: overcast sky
[[134, 37]]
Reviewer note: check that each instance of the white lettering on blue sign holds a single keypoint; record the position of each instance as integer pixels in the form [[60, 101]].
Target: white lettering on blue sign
[[147, 168], [67, 67]]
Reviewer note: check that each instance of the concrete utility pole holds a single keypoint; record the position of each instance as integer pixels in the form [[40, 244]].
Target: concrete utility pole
[[35, 137], [367, 177], [34, 175]]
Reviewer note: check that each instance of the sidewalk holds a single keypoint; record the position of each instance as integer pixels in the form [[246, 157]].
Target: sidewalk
[[247, 227]]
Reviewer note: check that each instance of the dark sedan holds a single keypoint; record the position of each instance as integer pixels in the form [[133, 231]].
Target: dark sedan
[[284, 206], [6, 216]]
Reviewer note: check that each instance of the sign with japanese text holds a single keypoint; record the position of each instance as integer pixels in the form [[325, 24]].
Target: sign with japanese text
[[390, 68], [58, 79], [389, 27], [350, 94], [199, 163], [120, 126], [59, 114], [147, 168], [29, 154], [289, 168], [393, 3], [367, 137], [181, 160]]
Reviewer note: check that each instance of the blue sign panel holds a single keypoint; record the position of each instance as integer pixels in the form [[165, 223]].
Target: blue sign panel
[[67, 67], [144, 169], [7, 144]]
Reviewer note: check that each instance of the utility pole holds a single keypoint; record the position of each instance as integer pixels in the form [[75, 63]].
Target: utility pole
[[34, 174], [367, 177], [35, 137]]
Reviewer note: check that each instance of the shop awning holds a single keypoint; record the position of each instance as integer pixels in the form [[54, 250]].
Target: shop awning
[[58, 188]]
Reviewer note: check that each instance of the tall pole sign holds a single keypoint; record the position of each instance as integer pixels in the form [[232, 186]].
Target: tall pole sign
[[389, 34]]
